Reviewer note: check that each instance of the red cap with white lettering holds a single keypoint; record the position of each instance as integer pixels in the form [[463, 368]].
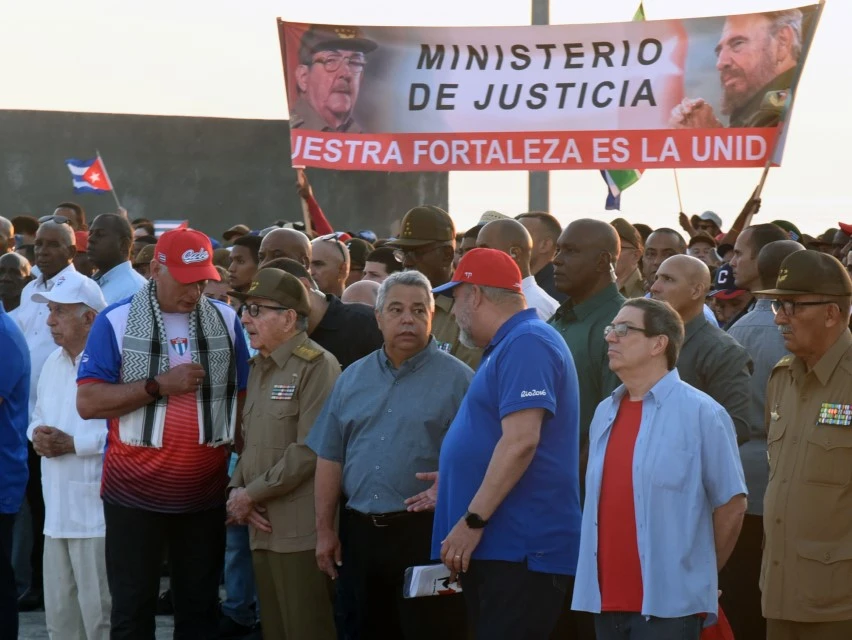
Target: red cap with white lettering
[[487, 268], [188, 255]]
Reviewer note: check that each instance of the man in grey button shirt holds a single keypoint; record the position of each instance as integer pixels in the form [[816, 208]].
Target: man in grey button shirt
[[377, 440], [758, 333]]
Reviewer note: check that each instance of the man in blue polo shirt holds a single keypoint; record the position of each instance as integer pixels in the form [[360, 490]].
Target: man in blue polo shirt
[[14, 407], [508, 510]]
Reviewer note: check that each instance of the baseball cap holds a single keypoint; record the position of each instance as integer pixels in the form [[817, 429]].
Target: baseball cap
[[358, 251], [628, 233], [723, 285], [81, 240], [702, 237], [711, 216], [73, 288], [424, 225], [845, 228], [811, 271], [187, 254], [487, 268], [235, 231], [322, 37], [279, 286]]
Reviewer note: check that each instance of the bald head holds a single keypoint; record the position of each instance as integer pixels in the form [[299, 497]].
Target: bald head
[[771, 256], [510, 237], [585, 259], [363, 291], [285, 243], [683, 282]]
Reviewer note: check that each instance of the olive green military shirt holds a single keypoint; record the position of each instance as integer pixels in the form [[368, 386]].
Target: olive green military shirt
[[806, 573], [304, 116], [446, 333], [582, 328], [766, 106], [285, 393], [634, 286]]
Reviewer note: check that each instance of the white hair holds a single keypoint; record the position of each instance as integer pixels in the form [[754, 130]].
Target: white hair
[[788, 18], [65, 231], [409, 279]]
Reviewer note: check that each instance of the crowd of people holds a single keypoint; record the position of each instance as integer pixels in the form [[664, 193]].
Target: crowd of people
[[600, 430]]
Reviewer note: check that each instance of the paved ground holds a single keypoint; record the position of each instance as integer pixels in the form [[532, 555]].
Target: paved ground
[[32, 624]]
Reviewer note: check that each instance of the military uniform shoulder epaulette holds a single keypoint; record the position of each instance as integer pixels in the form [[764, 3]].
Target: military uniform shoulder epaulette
[[306, 352], [784, 362]]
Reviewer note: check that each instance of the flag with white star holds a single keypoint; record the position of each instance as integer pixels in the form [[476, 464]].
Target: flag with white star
[[89, 176]]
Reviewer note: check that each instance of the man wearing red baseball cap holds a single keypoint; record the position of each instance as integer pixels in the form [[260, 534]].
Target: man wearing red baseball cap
[[508, 508], [165, 367]]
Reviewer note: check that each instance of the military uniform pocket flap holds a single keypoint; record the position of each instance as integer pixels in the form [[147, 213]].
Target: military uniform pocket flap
[[284, 409], [830, 438], [824, 552]]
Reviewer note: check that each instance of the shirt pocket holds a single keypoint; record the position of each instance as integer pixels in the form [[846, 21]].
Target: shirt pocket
[[282, 423], [672, 467], [824, 572], [828, 458], [774, 442]]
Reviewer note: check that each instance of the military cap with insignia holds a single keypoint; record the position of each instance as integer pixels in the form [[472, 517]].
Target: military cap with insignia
[[806, 272], [628, 233], [424, 225], [278, 286], [327, 37]]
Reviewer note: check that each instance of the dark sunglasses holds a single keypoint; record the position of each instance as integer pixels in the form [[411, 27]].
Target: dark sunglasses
[[332, 237]]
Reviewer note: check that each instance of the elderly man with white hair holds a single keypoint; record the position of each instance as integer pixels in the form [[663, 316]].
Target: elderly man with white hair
[[76, 594]]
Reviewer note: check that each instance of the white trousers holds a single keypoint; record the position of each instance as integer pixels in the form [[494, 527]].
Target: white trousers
[[77, 603]]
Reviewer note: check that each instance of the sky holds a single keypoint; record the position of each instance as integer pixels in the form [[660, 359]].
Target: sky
[[221, 58]]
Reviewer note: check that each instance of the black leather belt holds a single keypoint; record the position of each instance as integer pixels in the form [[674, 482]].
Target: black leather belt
[[381, 520]]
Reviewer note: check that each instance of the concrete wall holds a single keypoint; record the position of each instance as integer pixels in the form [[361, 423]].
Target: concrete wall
[[215, 172]]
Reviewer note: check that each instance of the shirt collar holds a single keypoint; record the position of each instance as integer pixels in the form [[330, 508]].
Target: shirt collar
[[282, 352], [588, 307], [763, 304], [659, 392], [116, 271], [511, 323], [412, 364], [48, 283], [830, 359]]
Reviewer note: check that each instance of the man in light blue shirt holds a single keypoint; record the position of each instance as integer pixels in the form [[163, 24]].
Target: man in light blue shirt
[[110, 238], [665, 493]]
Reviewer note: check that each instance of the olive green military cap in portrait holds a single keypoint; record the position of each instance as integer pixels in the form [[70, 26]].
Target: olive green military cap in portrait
[[278, 286]]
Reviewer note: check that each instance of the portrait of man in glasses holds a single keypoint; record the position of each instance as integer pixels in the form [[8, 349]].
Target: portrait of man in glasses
[[331, 64]]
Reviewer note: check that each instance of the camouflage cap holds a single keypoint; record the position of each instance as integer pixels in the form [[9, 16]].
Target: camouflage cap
[[145, 255], [324, 37], [424, 225], [628, 233], [279, 286], [805, 272]]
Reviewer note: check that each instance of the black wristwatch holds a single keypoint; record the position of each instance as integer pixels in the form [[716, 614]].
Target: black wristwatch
[[152, 388], [474, 521]]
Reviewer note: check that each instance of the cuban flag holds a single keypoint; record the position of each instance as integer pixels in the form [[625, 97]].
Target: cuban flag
[[89, 176]]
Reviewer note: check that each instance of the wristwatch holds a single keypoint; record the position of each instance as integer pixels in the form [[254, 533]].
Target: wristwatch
[[152, 388], [474, 521]]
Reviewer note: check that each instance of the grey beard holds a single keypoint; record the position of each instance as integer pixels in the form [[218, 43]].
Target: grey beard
[[466, 339]]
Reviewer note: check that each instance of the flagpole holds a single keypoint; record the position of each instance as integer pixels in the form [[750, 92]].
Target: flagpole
[[111, 185], [677, 188]]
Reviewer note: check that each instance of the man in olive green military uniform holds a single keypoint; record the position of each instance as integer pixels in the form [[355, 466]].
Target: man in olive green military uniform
[[426, 243], [756, 57], [272, 487], [806, 573], [328, 78], [628, 277]]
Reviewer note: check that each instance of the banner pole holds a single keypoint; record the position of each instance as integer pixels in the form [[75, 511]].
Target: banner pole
[[301, 179], [111, 185], [677, 188]]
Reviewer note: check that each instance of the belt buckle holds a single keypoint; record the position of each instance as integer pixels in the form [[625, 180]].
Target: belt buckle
[[377, 521]]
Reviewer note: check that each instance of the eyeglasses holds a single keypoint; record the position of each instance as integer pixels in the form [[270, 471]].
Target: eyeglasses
[[332, 63], [254, 309], [332, 237], [416, 252], [57, 219], [789, 306], [621, 329]]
